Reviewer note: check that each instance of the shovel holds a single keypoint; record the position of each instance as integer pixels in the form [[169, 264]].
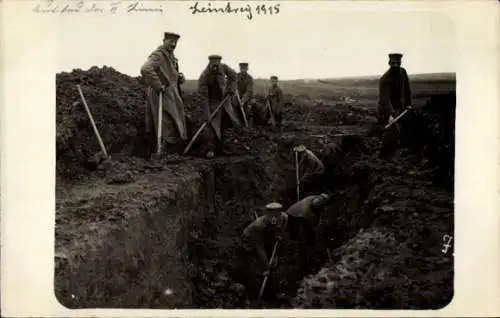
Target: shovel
[[264, 282], [397, 118], [198, 132], [273, 121], [160, 122], [241, 108], [96, 131]]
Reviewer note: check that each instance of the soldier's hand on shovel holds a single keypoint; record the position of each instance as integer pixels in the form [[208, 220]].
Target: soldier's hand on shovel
[[161, 89], [300, 148]]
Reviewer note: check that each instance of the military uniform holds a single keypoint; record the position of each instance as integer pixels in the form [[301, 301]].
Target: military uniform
[[276, 101], [214, 84], [304, 218], [394, 96], [244, 85], [257, 244], [161, 74]]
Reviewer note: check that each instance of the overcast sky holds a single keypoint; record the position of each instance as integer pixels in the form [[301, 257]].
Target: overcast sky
[[302, 41]]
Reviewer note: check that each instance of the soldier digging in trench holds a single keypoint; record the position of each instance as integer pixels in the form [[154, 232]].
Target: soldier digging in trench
[[304, 217], [215, 83], [244, 85], [394, 96], [276, 100], [299, 222], [257, 244], [161, 74]]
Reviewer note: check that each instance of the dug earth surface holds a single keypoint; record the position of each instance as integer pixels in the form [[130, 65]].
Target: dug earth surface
[[132, 234]]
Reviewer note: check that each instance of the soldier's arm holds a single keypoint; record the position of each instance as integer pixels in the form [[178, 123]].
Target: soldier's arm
[[231, 76], [254, 234], [407, 92], [384, 98], [148, 71]]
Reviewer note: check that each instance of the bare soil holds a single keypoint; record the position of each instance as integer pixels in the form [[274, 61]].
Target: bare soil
[[133, 234]]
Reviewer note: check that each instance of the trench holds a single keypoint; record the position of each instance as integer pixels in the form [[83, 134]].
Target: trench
[[180, 251], [242, 189]]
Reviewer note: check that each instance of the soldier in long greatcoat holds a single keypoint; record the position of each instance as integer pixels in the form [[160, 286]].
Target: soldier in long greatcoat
[[394, 97], [215, 83], [161, 74], [276, 100], [244, 85]]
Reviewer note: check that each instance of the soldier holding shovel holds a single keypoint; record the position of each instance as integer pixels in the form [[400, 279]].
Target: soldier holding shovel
[[258, 251], [263, 237], [275, 102], [244, 91], [217, 84], [165, 108], [394, 97]]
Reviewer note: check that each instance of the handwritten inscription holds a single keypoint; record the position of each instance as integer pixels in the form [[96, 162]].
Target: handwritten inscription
[[99, 7], [244, 9], [447, 243]]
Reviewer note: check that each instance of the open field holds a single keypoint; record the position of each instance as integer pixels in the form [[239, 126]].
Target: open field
[[127, 230]]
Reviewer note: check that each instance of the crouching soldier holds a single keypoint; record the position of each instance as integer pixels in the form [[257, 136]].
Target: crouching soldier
[[303, 220], [257, 245], [299, 222]]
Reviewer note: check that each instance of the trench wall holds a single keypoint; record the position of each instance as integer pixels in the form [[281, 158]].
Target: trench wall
[[158, 247]]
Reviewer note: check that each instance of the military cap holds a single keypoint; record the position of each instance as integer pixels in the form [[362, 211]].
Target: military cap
[[214, 57], [274, 206], [243, 64], [396, 56], [170, 35], [274, 77]]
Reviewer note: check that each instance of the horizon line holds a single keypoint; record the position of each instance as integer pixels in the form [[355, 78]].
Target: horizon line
[[343, 77]]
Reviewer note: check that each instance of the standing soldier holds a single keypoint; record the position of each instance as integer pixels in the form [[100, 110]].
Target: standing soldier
[[217, 82], [161, 74], [276, 100], [244, 84], [394, 96]]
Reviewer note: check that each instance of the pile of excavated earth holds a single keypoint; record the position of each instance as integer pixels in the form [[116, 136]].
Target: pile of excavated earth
[[133, 234]]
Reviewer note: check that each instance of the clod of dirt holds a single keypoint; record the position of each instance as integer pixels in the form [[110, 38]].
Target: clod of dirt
[[127, 177]]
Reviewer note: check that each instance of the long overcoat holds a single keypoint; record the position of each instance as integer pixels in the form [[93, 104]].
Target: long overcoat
[[162, 68], [394, 93], [223, 80]]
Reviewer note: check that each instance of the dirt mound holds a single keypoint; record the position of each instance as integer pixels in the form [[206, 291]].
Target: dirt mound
[[430, 132], [116, 102]]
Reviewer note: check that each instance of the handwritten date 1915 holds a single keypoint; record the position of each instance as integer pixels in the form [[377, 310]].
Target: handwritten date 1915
[[230, 9], [267, 9]]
